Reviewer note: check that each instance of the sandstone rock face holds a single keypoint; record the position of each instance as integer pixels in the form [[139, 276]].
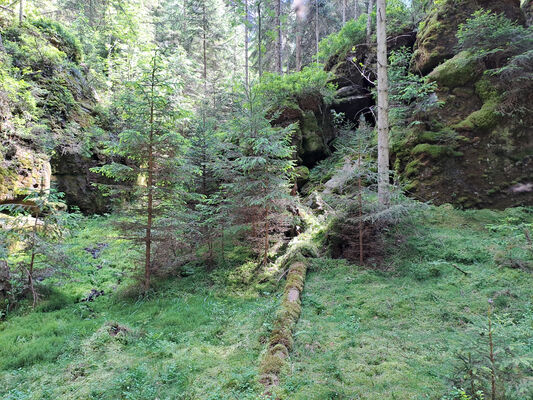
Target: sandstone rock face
[[436, 40], [47, 112], [314, 130], [21, 170], [73, 177], [468, 152]]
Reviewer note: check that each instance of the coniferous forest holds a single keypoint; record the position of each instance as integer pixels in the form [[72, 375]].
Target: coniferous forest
[[266, 199]]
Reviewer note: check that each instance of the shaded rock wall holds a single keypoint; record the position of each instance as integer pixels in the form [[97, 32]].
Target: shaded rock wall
[[354, 74], [467, 152], [314, 131]]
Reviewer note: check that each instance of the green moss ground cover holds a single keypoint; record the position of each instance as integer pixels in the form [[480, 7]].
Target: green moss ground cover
[[392, 333], [188, 340], [397, 334]]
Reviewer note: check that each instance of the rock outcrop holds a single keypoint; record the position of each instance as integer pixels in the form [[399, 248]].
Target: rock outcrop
[[314, 128], [72, 176], [49, 109], [436, 40], [354, 74], [470, 151]]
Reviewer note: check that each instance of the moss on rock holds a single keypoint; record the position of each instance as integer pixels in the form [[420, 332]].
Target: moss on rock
[[484, 119], [456, 72], [434, 150]]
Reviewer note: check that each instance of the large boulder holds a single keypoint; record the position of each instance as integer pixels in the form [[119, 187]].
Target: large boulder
[[436, 39]]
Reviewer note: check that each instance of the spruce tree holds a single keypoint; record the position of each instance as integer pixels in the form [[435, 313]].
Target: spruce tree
[[149, 145], [261, 163]]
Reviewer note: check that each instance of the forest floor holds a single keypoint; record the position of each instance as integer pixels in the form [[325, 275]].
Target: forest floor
[[396, 331]]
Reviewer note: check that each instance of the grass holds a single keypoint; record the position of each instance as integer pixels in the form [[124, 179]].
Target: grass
[[190, 339], [397, 334], [389, 333]]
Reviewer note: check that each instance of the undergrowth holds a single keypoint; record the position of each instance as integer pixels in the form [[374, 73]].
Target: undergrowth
[[404, 331], [400, 331]]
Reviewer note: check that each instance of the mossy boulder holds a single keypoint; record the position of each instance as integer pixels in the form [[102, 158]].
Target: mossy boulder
[[457, 72], [436, 40]]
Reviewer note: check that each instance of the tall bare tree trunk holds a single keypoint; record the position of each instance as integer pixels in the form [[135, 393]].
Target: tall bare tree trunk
[[383, 105], [317, 31], [277, 23], [259, 41], [343, 12], [150, 183], [204, 45], [356, 9], [370, 6], [299, 34], [21, 11], [246, 68]]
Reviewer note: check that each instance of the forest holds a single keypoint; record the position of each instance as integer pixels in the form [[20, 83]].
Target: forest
[[266, 199]]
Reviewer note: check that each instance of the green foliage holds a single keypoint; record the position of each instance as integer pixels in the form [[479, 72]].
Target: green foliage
[[283, 90], [69, 43], [338, 44], [486, 32], [488, 35], [409, 93], [399, 19], [371, 333], [259, 166], [461, 394], [33, 245], [193, 339]]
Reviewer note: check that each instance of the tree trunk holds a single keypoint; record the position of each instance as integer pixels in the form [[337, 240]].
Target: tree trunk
[[356, 9], [317, 31], [246, 73], [277, 23], [259, 42], [21, 11], [267, 237], [370, 6], [343, 12], [33, 244], [299, 29], [383, 106], [204, 44], [150, 183]]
